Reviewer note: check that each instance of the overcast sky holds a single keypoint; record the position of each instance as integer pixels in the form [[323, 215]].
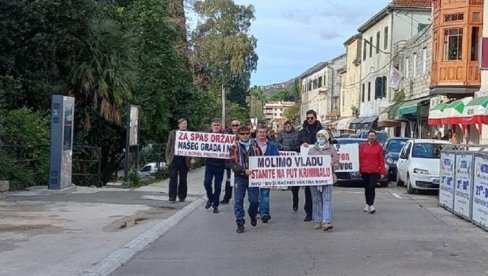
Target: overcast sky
[[294, 35]]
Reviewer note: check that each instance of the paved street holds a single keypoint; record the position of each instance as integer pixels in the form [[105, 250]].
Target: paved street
[[409, 235]]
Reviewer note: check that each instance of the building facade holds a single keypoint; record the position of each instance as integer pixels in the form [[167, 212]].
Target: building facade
[[274, 113], [350, 83], [383, 35]]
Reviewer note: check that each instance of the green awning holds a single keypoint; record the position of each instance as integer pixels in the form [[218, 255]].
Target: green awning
[[410, 107], [457, 105], [439, 107], [394, 112], [483, 101]]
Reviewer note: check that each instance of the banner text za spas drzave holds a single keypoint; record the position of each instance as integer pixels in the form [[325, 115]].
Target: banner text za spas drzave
[[203, 144]]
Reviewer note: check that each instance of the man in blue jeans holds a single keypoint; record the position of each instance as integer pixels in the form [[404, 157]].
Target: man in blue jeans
[[269, 148], [214, 169], [239, 163]]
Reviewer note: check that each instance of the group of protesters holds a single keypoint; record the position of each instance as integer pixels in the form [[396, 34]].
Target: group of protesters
[[312, 135]]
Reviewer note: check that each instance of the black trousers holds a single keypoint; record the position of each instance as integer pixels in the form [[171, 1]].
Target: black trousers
[[228, 187], [370, 180], [178, 168], [308, 198]]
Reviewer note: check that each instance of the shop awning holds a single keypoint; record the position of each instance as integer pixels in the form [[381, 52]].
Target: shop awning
[[344, 123], [356, 123], [410, 107], [369, 122], [453, 113], [388, 116], [476, 112], [436, 114]]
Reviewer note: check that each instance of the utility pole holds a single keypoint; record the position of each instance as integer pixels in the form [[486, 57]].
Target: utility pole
[[223, 106]]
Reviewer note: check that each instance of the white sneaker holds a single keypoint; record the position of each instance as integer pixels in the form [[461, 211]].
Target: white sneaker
[[366, 209], [372, 210]]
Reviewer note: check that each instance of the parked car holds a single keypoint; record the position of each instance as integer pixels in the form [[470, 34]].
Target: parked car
[[391, 149], [419, 164], [382, 136], [150, 169], [354, 177]]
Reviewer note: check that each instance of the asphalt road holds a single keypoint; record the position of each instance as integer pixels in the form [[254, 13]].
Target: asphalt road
[[409, 235]]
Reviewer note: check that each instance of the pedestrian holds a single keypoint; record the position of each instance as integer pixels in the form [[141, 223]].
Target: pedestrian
[[322, 195], [289, 141], [239, 163], [437, 135], [214, 170], [234, 126], [307, 136], [267, 148], [371, 167], [178, 166]]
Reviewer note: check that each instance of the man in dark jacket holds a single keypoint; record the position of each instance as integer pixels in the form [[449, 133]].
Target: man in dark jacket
[[234, 126], [289, 141], [308, 136], [214, 169]]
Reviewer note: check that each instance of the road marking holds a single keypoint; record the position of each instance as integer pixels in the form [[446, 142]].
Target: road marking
[[396, 195]]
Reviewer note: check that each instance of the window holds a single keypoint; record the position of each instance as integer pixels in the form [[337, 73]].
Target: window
[[476, 17], [414, 65], [369, 91], [474, 43], [407, 67], [362, 93], [424, 60], [453, 44], [364, 49], [380, 88], [454, 17], [386, 38], [320, 82], [377, 42], [383, 93], [370, 46]]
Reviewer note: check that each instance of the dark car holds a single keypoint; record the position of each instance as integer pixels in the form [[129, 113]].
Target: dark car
[[391, 150], [354, 177]]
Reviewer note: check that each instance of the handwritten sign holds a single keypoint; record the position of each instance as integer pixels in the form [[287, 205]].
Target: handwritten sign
[[203, 144], [348, 157], [282, 171]]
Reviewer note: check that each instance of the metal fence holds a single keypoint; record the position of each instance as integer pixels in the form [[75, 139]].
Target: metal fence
[[35, 159]]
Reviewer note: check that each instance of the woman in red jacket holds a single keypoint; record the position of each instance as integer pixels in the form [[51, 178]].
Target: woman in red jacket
[[371, 167]]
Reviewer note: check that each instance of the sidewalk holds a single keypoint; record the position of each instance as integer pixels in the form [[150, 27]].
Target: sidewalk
[[50, 233]]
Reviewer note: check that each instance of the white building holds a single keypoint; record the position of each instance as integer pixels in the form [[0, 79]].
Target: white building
[[321, 88], [382, 36], [274, 112]]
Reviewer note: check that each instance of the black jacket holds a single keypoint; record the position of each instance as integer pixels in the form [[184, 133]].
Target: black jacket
[[308, 134]]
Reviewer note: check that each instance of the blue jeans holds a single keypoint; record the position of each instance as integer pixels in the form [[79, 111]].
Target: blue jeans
[[240, 187], [322, 204], [210, 173], [263, 202]]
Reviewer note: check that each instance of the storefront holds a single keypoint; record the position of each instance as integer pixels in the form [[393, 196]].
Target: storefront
[[415, 114]]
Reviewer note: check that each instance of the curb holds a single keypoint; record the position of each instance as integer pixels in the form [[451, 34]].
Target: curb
[[122, 255]]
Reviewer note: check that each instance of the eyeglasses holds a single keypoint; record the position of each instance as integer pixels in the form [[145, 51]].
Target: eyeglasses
[[244, 133], [235, 125], [310, 118]]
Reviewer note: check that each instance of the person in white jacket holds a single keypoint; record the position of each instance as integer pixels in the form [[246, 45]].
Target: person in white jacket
[[322, 195]]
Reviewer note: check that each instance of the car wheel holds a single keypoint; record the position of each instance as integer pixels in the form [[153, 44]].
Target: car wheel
[[398, 181], [410, 189]]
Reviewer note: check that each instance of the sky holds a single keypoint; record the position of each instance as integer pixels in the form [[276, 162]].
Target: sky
[[294, 35]]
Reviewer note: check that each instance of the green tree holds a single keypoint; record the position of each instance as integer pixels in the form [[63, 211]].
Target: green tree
[[223, 50]]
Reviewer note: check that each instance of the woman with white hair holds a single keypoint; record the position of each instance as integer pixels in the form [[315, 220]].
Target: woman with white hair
[[322, 195]]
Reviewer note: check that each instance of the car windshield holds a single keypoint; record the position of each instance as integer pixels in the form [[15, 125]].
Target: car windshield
[[381, 136], [395, 145], [427, 150], [350, 141]]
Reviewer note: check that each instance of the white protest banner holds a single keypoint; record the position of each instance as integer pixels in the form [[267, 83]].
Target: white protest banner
[[464, 185], [288, 153], [480, 193], [203, 144], [446, 185], [348, 157], [270, 171]]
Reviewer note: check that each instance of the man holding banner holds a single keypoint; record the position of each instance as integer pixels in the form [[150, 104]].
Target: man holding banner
[[234, 126], [239, 163], [289, 141], [267, 148], [214, 170]]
